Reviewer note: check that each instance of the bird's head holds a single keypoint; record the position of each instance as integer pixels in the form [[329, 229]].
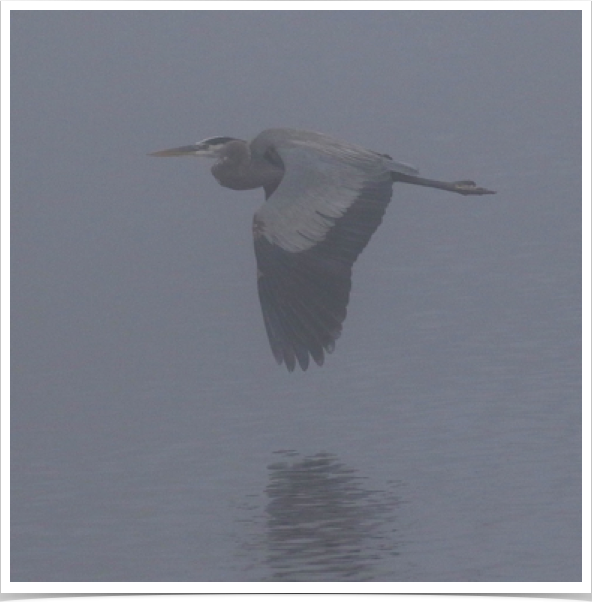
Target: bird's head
[[210, 147]]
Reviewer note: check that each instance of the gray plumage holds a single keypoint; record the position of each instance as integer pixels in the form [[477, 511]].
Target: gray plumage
[[324, 200]]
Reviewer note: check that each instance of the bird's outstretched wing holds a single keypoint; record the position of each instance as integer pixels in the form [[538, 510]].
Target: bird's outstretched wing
[[308, 235]]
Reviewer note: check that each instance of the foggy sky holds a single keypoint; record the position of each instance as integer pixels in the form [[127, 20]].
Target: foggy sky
[[130, 272]]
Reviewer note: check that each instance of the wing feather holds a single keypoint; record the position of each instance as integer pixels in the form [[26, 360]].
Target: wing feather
[[307, 237]]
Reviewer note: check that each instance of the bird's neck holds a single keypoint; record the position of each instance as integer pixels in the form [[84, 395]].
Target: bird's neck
[[246, 176]]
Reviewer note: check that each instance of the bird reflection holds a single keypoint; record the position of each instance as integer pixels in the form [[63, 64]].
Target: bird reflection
[[323, 525]]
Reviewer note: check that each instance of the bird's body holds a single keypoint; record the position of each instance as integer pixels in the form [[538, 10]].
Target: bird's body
[[324, 200]]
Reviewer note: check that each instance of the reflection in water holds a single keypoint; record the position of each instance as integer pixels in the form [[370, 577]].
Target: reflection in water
[[323, 525]]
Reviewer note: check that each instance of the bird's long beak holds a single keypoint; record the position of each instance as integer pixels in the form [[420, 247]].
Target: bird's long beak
[[192, 150]]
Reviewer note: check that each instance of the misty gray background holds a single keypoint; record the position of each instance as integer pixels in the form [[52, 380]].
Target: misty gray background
[[153, 436]]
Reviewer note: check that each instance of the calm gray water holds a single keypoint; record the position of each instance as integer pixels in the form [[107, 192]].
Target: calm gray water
[[153, 436]]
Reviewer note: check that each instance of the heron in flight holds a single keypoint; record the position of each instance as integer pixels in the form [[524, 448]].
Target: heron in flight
[[323, 201]]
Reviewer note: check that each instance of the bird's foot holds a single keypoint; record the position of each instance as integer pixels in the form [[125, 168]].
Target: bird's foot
[[467, 187]]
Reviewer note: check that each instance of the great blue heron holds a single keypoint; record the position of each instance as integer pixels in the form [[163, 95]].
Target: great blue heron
[[324, 200]]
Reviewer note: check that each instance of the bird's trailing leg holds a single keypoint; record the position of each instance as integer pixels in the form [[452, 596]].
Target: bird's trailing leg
[[465, 187]]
